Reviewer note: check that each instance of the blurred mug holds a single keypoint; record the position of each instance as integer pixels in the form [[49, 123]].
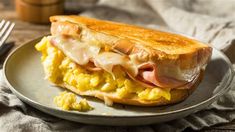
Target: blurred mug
[[38, 11]]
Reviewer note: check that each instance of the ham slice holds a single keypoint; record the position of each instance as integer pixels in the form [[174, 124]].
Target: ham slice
[[140, 81], [148, 73]]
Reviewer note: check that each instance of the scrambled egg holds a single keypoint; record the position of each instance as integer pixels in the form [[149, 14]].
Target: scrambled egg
[[60, 68], [68, 101]]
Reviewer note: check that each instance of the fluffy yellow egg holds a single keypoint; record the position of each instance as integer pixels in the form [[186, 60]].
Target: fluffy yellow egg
[[68, 101]]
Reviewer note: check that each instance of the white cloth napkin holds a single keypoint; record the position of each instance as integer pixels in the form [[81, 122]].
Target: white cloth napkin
[[205, 20]]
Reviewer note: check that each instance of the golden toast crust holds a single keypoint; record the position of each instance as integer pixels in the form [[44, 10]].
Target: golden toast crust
[[156, 46]]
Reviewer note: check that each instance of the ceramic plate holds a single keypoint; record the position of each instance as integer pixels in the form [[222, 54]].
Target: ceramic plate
[[24, 74]]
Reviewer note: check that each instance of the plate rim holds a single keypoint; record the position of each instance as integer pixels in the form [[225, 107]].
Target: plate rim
[[29, 101]]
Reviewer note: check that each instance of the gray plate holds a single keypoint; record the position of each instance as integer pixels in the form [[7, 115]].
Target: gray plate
[[24, 74]]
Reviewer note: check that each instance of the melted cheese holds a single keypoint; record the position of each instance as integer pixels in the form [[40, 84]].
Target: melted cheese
[[175, 71], [107, 60], [79, 52], [83, 52]]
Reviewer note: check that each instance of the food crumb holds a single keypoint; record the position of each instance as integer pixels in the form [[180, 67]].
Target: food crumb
[[68, 101]]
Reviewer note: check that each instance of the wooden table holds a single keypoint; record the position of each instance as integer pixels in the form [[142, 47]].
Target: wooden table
[[24, 32]]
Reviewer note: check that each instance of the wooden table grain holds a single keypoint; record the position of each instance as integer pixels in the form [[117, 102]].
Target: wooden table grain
[[24, 32]]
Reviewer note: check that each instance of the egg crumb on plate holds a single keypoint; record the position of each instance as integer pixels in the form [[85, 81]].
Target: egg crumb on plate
[[68, 101]]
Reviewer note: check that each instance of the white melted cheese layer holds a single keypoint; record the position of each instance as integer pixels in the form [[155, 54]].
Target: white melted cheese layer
[[175, 71], [83, 52], [78, 51]]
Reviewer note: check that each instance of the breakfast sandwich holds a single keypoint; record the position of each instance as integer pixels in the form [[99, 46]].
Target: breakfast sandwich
[[121, 63]]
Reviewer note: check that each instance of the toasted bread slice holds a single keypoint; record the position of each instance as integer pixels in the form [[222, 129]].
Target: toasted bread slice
[[151, 45]]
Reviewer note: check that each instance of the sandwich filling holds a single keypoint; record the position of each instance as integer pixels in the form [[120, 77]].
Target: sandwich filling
[[60, 68], [92, 65], [96, 56]]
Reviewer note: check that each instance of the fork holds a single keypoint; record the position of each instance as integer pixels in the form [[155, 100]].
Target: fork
[[5, 30]]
